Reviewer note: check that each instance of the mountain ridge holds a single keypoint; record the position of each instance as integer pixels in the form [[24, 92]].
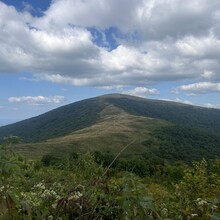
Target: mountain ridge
[[78, 115]]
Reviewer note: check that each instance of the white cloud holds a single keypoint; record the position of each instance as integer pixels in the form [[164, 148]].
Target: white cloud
[[187, 102], [208, 46], [118, 87], [199, 88], [37, 100], [208, 74], [141, 91], [183, 101], [90, 13], [210, 105], [206, 105], [158, 41], [28, 7], [155, 18]]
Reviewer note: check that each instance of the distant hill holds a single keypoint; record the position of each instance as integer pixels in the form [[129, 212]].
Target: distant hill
[[67, 119]]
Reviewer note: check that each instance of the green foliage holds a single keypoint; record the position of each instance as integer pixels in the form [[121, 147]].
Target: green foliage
[[196, 194], [136, 165], [79, 188], [184, 143], [82, 114], [104, 159], [49, 159]]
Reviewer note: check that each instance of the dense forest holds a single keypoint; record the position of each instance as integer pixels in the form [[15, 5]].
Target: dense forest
[[182, 114], [102, 186]]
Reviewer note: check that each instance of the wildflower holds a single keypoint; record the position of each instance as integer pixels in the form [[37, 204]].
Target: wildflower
[[194, 214], [164, 211], [53, 193], [201, 202], [214, 207], [40, 186], [54, 205], [77, 195]]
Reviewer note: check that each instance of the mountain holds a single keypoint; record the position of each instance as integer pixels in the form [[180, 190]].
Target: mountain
[[106, 123], [189, 115], [57, 122], [82, 114]]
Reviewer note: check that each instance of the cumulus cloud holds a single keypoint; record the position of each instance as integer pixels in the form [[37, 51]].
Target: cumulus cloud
[[199, 88], [37, 100], [141, 91], [155, 18], [210, 105], [206, 105], [90, 13], [156, 41], [205, 47], [183, 101], [187, 102]]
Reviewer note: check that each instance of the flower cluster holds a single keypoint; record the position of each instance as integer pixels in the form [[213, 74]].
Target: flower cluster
[[201, 202], [75, 196], [40, 194], [194, 215]]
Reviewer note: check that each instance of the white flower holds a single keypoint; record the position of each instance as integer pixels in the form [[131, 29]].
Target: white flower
[[2, 188], [54, 205], [201, 202], [164, 211], [214, 207], [194, 214], [75, 196]]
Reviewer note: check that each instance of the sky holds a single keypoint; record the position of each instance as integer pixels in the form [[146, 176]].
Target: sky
[[57, 52]]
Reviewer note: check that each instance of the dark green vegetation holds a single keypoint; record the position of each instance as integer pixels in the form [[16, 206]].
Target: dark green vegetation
[[167, 130], [71, 164], [58, 122], [184, 143], [177, 113], [84, 187], [82, 114]]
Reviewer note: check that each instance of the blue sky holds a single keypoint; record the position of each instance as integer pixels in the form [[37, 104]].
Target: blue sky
[[57, 52]]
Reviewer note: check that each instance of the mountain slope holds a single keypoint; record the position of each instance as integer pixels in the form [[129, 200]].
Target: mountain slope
[[58, 122], [115, 129], [189, 115], [150, 138], [67, 119]]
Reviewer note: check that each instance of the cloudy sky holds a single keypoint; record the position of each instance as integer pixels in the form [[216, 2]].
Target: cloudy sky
[[56, 52]]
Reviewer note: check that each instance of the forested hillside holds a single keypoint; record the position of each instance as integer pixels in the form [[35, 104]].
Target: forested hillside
[[82, 114], [198, 117], [55, 123]]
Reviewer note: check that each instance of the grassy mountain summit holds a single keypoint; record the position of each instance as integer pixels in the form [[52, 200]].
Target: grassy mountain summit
[[82, 114]]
